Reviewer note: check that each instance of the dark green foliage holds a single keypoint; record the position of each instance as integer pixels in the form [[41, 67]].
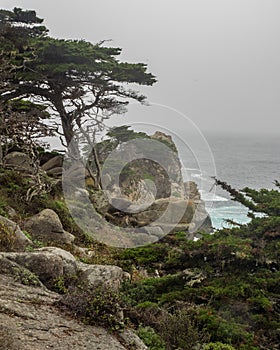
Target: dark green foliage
[[237, 302], [79, 80], [121, 134], [3, 205], [148, 256]]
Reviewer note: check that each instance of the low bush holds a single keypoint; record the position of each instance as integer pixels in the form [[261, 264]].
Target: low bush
[[7, 238], [94, 306], [151, 338]]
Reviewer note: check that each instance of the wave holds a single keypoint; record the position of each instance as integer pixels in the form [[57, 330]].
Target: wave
[[191, 169], [212, 197], [197, 175]]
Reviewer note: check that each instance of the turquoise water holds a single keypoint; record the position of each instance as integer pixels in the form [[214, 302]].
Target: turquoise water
[[231, 211], [241, 161]]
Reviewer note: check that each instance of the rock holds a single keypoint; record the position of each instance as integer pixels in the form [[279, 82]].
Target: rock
[[177, 190], [69, 261], [12, 214], [55, 162], [19, 240], [47, 263], [100, 201], [47, 227], [168, 211], [19, 273], [102, 275], [77, 171], [201, 220], [154, 231], [121, 203], [55, 172], [19, 161], [191, 191], [30, 320], [106, 180], [132, 341], [158, 135]]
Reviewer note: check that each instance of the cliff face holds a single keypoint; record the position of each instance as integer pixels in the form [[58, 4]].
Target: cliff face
[[151, 190]]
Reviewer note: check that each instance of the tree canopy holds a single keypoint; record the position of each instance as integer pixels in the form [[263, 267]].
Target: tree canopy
[[77, 79]]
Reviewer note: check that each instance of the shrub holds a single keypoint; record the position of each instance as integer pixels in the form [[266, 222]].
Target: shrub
[[94, 306], [151, 338], [218, 346], [3, 205], [26, 277], [7, 238], [180, 330]]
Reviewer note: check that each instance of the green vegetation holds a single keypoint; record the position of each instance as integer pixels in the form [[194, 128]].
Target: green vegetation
[[94, 305], [221, 292], [6, 238], [151, 338], [79, 80], [26, 277], [228, 282]]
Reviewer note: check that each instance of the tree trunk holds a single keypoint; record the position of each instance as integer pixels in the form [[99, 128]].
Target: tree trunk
[[67, 127], [98, 166], [1, 152], [69, 134]]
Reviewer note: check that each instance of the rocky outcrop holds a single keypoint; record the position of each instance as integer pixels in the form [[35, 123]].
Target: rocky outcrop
[[107, 276], [19, 161], [29, 311], [49, 264], [53, 163], [186, 213], [151, 191], [47, 227], [30, 320], [18, 239]]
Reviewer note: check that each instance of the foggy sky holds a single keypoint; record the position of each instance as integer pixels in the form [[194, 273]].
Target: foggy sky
[[216, 61]]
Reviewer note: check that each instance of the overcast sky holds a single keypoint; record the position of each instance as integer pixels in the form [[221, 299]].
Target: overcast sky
[[217, 61]]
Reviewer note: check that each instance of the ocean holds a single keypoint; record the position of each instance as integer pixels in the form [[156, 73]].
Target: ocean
[[240, 160]]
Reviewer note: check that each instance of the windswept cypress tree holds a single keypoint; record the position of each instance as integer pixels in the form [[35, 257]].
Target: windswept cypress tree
[[79, 80]]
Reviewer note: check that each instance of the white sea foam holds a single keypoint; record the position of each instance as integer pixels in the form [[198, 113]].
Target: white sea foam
[[212, 197]]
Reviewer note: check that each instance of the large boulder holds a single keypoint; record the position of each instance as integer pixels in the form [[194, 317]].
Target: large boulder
[[47, 227], [49, 264], [167, 211], [108, 276], [18, 239], [131, 340], [55, 162], [18, 272], [54, 166], [19, 161]]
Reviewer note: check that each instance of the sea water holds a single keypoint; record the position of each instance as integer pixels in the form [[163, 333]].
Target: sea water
[[241, 161]]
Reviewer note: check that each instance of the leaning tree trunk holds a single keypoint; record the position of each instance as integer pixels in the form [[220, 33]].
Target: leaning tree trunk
[[1, 152]]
